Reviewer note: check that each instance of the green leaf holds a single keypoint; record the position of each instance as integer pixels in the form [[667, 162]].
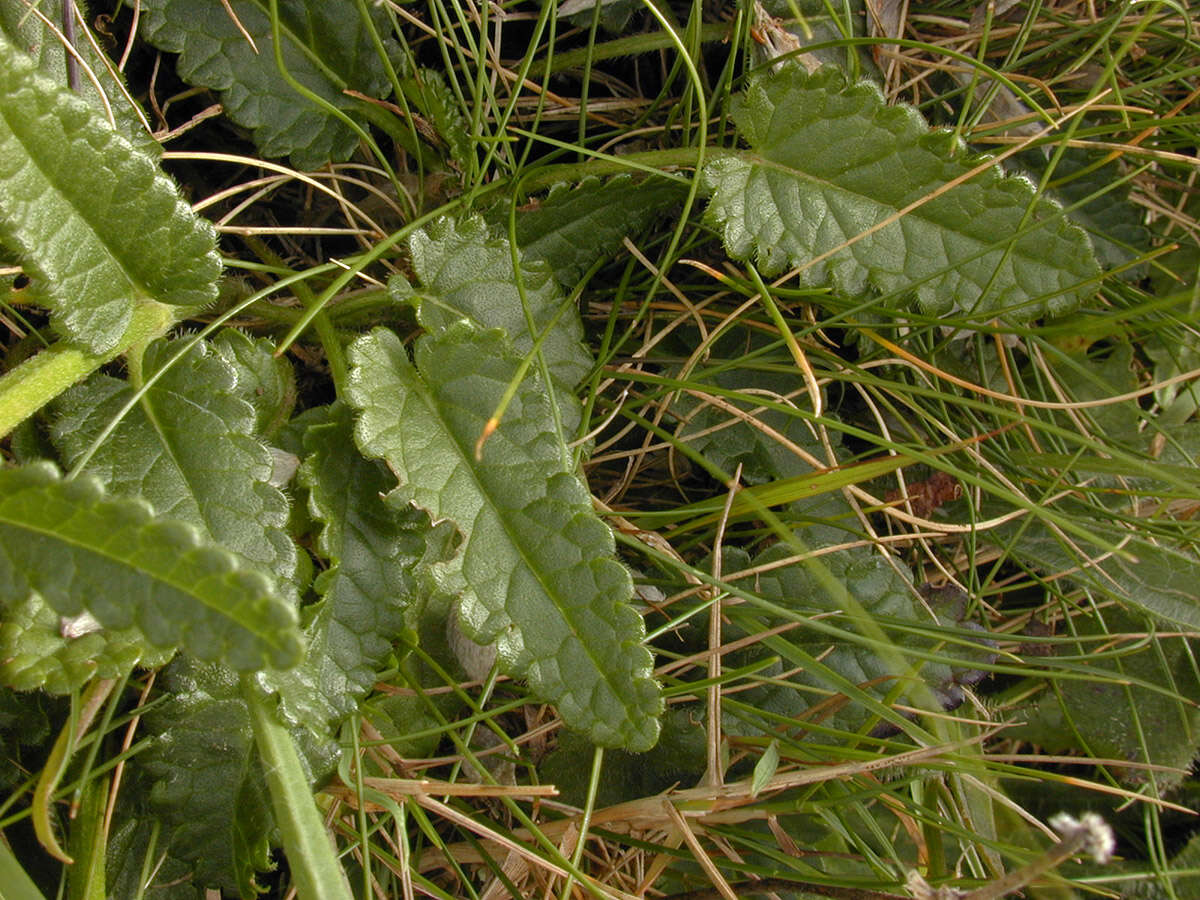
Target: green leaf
[[887, 597], [1159, 579], [208, 783], [537, 567], [1112, 221], [325, 46], [764, 769], [188, 449], [831, 161], [428, 91], [576, 225], [40, 650], [464, 272], [93, 221], [1108, 719], [374, 552], [728, 440], [262, 379], [80, 548], [107, 93], [23, 723]]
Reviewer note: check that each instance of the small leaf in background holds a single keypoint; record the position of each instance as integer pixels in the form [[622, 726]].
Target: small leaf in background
[[23, 722], [466, 272], [830, 162], [187, 448], [92, 219], [326, 47], [428, 91], [1109, 719], [764, 768], [885, 591], [38, 650], [729, 441], [537, 566], [574, 226], [82, 549], [264, 380], [1159, 579], [208, 786]]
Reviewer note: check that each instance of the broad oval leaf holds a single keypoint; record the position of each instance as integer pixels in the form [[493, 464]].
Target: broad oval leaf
[[227, 46], [90, 217], [83, 549], [832, 169], [537, 564]]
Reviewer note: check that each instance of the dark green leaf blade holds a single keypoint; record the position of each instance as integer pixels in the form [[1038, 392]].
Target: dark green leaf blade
[[832, 164], [1109, 717], [325, 46], [375, 553], [92, 219], [537, 567], [576, 225], [80, 548], [208, 783]]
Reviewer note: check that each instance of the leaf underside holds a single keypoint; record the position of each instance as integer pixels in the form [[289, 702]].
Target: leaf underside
[[537, 573], [92, 219], [80, 548], [831, 164], [325, 46]]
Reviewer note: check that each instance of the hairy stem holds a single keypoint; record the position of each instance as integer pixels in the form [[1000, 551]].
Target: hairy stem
[[41, 378]]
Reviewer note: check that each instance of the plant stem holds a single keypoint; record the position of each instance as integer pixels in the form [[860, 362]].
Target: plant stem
[[41, 378], [317, 873]]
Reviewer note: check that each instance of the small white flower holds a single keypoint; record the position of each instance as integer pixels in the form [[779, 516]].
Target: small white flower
[[1099, 842]]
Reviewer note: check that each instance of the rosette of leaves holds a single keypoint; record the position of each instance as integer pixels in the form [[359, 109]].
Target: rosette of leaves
[[851, 191]]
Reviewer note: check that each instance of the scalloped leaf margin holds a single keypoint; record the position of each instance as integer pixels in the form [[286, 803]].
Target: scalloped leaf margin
[[854, 192], [537, 572], [83, 549], [92, 219]]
